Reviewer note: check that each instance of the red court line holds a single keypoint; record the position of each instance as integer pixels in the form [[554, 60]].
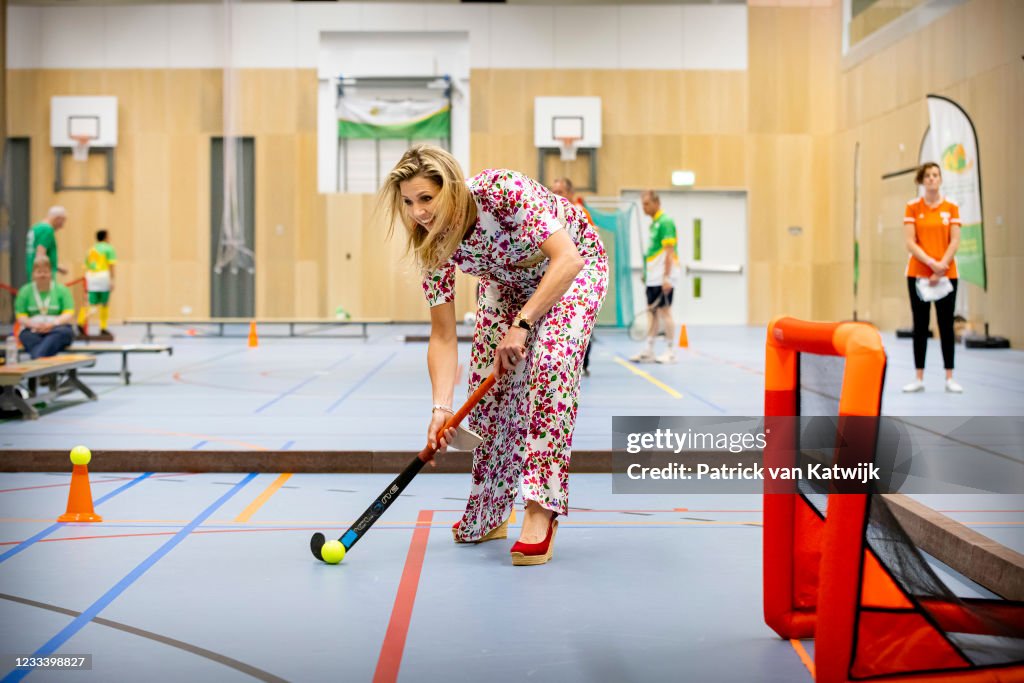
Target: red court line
[[734, 364], [156, 533], [55, 486], [95, 482], [401, 614]]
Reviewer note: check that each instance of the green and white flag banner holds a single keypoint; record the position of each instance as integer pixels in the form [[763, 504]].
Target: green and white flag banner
[[952, 143], [374, 118]]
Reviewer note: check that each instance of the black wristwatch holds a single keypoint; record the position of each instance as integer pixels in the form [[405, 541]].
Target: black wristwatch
[[522, 322]]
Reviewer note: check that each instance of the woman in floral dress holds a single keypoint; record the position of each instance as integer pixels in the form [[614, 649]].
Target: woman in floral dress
[[543, 273]]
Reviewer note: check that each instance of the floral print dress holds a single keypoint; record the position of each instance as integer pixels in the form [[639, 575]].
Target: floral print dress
[[527, 420]]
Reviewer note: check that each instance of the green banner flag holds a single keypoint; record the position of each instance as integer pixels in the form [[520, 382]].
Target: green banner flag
[[952, 143], [374, 118]]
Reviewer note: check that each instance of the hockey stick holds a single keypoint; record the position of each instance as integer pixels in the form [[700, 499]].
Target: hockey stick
[[395, 488]]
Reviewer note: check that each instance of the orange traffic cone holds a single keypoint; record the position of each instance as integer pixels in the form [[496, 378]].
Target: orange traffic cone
[[684, 342], [80, 496], [254, 340]]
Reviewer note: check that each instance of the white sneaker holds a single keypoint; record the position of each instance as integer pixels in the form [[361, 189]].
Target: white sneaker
[[666, 358], [645, 356], [914, 387], [953, 388]]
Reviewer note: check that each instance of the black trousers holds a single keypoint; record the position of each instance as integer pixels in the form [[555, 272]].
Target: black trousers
[[944, 317]]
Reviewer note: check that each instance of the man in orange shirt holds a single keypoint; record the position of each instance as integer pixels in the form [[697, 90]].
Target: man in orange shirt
[[931, 227]]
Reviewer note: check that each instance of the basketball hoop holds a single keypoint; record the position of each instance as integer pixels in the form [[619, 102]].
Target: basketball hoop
[[567, 147], [80, 152]]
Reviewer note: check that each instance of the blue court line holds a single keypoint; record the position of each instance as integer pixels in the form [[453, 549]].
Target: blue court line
[[287, 445], [199, 445], [299, 385], [50, 529], [706, 402], [360, 383], [93, 610]]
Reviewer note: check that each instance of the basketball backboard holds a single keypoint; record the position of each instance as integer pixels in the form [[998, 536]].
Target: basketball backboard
[[81, 125], [556, 118], [95, 117]]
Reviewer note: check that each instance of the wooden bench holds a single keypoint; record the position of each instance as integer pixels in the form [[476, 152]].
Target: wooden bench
[[59, 373], [97, 348], [220, 325]]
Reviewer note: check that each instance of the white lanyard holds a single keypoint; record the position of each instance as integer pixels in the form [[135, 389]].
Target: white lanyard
[[43, 304]]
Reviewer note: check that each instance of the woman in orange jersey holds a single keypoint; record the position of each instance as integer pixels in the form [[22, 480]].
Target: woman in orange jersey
[[931, 227]]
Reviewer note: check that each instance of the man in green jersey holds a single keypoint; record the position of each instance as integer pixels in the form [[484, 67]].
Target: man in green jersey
[[42, 240], [44, 309], [661, 271]]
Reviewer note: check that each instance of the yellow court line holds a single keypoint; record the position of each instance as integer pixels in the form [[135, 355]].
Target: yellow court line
[[804, 657], [263, 497], [656, 382]]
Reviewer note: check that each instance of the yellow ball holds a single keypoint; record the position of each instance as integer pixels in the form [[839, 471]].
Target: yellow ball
[[333, 552], [80, 455]]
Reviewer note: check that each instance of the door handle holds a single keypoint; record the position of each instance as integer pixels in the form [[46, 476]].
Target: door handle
[[703, 269]]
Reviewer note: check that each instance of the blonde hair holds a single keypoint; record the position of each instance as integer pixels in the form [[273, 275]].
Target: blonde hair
[[42, 262], [454, 209]]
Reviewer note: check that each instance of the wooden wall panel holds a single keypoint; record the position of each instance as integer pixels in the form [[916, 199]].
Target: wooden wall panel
[[308, 294], [827, 233], [275, 225], [344, 254], [712, 102], [189, 208], [269, 102]]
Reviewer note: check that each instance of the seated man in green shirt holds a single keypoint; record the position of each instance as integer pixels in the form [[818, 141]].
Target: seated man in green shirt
[[45, 310]]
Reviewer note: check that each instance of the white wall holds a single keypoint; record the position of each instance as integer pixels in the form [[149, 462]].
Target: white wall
[[287, 35]]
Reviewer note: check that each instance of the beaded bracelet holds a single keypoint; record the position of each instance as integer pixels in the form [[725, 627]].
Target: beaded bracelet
[[438, 406]]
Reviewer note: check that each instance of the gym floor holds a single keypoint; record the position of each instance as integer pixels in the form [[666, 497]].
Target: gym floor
[[335, 394], [208, 576]]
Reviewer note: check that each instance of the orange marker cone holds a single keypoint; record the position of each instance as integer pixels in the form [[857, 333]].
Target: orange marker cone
[[684, 342], [254, 340], [80, 496]]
